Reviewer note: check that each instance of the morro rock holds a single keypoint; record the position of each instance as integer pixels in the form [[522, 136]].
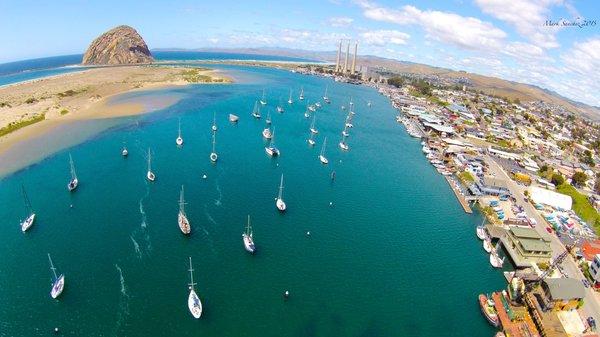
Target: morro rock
[[120, 45]]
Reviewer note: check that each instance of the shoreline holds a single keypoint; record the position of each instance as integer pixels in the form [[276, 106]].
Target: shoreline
[[87, 95]]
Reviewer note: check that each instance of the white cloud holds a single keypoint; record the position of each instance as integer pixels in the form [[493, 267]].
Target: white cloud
[[213, 40], [384, 37], [465, 32], [584, 58], [527, 16], [340, 21]]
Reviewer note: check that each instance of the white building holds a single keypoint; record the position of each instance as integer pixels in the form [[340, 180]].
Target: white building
[[595, 268]]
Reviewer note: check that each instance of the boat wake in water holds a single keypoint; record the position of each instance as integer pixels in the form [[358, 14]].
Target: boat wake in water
[[123, 309], [136, 246], [142, 231]]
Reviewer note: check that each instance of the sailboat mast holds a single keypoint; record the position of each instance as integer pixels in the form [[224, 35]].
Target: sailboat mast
[[290, 94], [248, 228], [181, 201], [73, 174], [191, 270], [213, 142], [179, 132], [280, 188], [52, 267], [323, 147], [149, 161], [26, 199]]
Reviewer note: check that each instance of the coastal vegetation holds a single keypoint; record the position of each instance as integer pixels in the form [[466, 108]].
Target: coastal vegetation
[[489, 213], [4, 104], [64, 112], [194, 75], [581, 205], [31, 100], [14, 126], [71, 92]]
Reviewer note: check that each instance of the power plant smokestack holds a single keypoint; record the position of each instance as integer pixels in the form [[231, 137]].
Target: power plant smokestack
[[346, 60], [354, 59], [337, 62]]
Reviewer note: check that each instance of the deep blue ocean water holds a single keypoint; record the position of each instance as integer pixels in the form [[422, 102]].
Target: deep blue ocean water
[[391, 251]]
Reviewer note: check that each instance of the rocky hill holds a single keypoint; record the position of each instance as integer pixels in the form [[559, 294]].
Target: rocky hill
[[120, 45]]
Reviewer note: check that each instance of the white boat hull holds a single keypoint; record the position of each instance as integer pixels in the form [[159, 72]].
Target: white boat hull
[[344, 146], [481, 233], [248, 243], [487, 245], [272, 151], [194, 304], [280, 204], [58, 286], [263, 102], [313, 130], [150, 176], [496, 261], [255, 115], [27, 223], [124, 153], [311, 142], [179, 141], [72, 185], [233, 118], [323, 160], [184, 224], [267, 134], [213, 157]]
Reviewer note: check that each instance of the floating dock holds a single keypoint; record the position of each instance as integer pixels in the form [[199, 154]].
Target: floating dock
[[461, 199]]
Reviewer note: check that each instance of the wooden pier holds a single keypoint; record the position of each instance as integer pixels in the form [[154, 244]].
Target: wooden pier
[[461, 199]]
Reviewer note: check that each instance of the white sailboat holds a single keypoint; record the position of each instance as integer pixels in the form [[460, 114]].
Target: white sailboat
[[268, 120], [369, 104], [279, 203], [343, 145], [214, 126], [495, 259], [58, 282], [311, 140], [28, 222], [266, 133], [256, 111], [271, 150], [194, 303], [182, 220], [248, 238], [325, 97], [72, 185], [487, 245], [312, 108], [301, 97], [290, 101], [213, 155], [481, 233], [233, 118], [345, 131], [179, 140], [312, 125], [280, 106], [124, 151], [322, 157], [318, 104], [307, 113], [150, 175], [263, 99]]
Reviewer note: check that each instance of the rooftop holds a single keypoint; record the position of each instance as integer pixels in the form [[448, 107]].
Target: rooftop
[[565, 288]]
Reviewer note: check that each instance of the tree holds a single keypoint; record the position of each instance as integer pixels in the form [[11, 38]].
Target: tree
[[557, 179], [578, 179], [396, 81]]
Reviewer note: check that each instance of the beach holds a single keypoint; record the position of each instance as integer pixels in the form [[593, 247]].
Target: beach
[[86, 95]]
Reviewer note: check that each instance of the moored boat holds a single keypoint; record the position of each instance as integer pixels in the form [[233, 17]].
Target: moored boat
[[150, 175], [256, 111], [487, 245], [279, 203], [271, 150], [248, 238], [74, 182], [194, 303], [179, 140], [182, 220], [28, 222], [58, 282], [263, 100], [487, 309], [481, 233], [322, 157], [233, 118]]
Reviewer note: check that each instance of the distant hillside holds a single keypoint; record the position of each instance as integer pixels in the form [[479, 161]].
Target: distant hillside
[[487, 84]]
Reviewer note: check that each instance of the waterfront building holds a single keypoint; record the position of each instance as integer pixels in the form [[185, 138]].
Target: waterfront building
[[525, 246], [595, 265], [562, 294]]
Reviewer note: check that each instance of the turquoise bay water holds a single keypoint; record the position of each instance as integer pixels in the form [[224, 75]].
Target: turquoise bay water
[[393, 256]]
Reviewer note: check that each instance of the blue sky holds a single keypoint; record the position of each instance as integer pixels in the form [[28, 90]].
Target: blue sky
[[503, 38]]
